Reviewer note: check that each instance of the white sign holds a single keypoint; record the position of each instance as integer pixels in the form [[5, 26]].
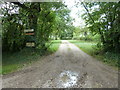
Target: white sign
[[28, 30]]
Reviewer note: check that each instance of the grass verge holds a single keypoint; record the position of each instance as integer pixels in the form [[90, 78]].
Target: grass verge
[[109, 58], [14, 61], [85, 46], [54, 46]]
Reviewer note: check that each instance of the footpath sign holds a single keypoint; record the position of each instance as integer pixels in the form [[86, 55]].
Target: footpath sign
[[30, 38]]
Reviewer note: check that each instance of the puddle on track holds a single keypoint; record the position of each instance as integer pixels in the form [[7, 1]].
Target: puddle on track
[[67, 79]]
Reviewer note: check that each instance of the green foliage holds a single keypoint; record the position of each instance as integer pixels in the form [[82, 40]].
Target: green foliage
[[13, 37], [45, 21], [103, 18], [43, 17], [85, 34], [111, 59], [63, 28]]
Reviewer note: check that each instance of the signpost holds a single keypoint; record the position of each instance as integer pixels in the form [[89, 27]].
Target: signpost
[[30, 37]]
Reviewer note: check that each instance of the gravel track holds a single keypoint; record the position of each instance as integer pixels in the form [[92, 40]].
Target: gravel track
[[69, 67]]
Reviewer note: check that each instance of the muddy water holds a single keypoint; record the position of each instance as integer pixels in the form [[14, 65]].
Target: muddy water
[[67, 79]]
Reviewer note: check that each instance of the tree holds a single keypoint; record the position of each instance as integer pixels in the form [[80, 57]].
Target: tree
[[63, 26], [42, 17], [104, 20]]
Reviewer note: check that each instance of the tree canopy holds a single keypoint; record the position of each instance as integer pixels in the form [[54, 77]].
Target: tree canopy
[[48, 19], [103, 18]]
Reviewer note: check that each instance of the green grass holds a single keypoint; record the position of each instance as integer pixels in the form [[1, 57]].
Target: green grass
[[109, 58], [55, 45], [14, 61], [85, 46]]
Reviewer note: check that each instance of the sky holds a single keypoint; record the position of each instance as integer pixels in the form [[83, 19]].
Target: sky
[[75, 11]]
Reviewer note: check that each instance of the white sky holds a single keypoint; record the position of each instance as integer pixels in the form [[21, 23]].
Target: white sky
[[75, 11]]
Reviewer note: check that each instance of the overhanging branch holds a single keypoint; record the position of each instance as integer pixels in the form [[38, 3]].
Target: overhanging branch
[[21, 5], [99, 30], [88, 12]]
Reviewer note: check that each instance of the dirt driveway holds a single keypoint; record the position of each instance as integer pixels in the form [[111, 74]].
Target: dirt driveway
[[68, 67]]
